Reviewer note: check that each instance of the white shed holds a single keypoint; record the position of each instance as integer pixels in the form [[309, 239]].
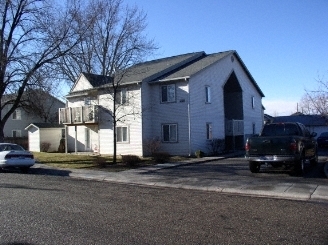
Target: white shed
[[45, 134]]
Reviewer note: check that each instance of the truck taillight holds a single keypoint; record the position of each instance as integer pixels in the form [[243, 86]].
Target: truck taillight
[[293, 146], [247, 146]]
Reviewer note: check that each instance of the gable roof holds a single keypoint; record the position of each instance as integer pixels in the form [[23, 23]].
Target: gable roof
[[97, 80], [45, 125], [169, 68], [307, 120], [204, 62]]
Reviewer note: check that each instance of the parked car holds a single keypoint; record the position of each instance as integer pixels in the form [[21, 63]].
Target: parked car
[[322, 140], [15, 156]]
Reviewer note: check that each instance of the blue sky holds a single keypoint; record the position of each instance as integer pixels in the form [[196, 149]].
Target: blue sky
[[284, 43]]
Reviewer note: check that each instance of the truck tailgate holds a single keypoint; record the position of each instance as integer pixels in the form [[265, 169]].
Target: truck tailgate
[[270, 146]]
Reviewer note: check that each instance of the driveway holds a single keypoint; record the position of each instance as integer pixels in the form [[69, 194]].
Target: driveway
[[220, 174]]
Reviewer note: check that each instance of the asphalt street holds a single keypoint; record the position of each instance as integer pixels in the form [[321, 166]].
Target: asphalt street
[[39, 208], [219, 174]]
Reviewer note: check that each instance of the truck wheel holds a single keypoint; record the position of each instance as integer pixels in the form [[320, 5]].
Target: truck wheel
[[314, 161], [300, 166], [254, 167]]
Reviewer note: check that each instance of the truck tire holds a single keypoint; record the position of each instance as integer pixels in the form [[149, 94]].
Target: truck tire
[[314, 161], [254, 167], [300, 166]]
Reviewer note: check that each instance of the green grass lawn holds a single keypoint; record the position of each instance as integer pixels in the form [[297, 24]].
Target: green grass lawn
[[105, 163]]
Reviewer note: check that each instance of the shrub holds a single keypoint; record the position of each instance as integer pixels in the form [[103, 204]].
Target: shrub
[[199, 153], [216, 145], [100, 161], [44, 146], [130, 160], [152, 145], [161, 157]]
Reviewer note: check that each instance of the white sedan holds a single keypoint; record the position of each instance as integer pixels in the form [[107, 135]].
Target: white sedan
[[13, 155]]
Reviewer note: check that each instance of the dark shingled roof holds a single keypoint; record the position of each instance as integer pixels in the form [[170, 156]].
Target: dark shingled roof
[[48, 125], [97, 80], [169, 68], [307, 120]]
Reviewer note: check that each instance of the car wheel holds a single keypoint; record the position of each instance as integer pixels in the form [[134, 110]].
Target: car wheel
[[25, 169], [254, 167]]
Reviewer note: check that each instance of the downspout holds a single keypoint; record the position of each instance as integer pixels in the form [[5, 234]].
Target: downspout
[[189, 130]]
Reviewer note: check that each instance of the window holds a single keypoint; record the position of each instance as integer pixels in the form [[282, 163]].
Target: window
[[87, 101], [16, 133], [121, 96], [122, 134], [168, 93], [17, 114], [209, 134], [253, 102], [170, 132], [208, 94]]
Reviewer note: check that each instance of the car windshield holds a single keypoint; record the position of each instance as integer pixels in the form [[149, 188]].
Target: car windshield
[[6, 147], [280, 130], [324, 134]]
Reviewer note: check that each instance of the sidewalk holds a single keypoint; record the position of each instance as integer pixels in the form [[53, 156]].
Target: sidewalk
[[147, 176]]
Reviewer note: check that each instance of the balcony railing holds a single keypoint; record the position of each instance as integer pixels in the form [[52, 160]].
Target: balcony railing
[[234, 127], [79, 115]]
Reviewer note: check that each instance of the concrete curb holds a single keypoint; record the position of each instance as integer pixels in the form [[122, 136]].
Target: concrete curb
[[325, 169]]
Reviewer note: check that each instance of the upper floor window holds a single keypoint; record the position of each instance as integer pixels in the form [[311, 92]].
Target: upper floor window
[[168, 93], [207, 94], [122, 134], [17, 115], [121, 96], [87, 101], [253, 102], [170, 132]]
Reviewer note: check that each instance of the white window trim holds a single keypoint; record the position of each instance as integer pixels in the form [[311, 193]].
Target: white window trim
[[176, 133], [119, 128], [169, 100]]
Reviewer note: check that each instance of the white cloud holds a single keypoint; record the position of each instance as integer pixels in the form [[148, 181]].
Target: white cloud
[[279, 107]]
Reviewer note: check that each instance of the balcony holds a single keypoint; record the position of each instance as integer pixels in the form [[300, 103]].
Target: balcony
[[79, 115]]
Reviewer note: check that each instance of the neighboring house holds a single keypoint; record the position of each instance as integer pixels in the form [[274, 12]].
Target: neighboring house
[[315, 123], [21, 117], [268, 119], [185, 101], [45, 137]]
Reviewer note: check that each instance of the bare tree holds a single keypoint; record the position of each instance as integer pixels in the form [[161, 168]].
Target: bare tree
[[115, 42], [33, 35], [316, 101]]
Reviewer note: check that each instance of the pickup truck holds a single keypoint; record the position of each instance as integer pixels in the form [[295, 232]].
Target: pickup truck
[[288, 144]]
